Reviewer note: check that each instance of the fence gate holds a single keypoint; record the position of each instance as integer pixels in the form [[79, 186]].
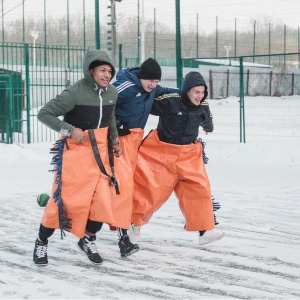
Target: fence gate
[[11, 103], [31, 75]]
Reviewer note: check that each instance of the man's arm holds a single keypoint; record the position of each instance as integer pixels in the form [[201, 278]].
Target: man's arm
[[162, 104], [55, 108], [112, 129], [159, 90], [207, 124]]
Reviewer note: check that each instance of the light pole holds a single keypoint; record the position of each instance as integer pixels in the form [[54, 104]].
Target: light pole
[[114, 30], [35, 35], [141, 32], [179, 67], [142, 26], [227, 48]]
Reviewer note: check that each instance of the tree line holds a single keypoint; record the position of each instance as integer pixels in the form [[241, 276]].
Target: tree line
[[159, 41]]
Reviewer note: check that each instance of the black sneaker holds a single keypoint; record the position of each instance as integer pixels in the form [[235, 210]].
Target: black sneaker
[[126, 247], [87, 244], [40, 253]]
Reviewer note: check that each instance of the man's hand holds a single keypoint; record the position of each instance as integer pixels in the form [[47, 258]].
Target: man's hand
[[117, 150], [78, 135]]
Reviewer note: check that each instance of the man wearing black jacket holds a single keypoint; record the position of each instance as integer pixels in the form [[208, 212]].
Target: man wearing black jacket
[[170, 159]]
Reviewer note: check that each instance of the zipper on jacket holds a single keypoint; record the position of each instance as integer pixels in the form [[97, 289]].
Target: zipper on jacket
[[100, 112]]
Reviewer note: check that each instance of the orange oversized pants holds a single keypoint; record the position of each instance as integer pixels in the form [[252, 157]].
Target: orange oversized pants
[[85, 191], [129, 144], [163, 168]]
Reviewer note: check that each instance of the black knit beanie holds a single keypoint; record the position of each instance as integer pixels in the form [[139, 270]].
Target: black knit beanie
[[97, 63], [150, 69]]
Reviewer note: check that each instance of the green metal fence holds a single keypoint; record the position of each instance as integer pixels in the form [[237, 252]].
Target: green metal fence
[[264, 93], [109, 23], [29, 77], [11, 98], [243, 96]]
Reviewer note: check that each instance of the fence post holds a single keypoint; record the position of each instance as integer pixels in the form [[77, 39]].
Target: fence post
[[293, 81], [242, 111], [211, 87], [271, 76], [97, 25], [227, 84], [178, 46], [120, 57], [10, 107], [27, 92], [248, 79]]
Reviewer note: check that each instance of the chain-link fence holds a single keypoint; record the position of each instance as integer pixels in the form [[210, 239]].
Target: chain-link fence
[[149, 29], [243, 96], [248, 96], [26, 86]]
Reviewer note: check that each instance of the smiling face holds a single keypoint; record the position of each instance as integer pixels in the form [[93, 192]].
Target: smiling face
[[196, 94], [149, 84], [102, 75]]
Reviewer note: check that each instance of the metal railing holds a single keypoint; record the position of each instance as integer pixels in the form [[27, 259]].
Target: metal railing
[[243, 96]]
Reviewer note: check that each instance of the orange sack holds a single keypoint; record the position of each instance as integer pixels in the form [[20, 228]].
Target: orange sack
[[127, 161], [130, 144], [163, 168], [86, 192]]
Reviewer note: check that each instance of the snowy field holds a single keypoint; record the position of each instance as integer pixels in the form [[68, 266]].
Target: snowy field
[[257, 185]]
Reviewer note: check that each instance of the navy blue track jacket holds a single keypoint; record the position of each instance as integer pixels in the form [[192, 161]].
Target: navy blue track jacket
[[134, 103]]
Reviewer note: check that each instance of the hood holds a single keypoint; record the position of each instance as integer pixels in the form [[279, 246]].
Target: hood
[[95, 55], [193, 79]]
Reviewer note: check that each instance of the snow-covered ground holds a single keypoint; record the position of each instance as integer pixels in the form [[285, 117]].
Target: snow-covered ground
[[257, 185]]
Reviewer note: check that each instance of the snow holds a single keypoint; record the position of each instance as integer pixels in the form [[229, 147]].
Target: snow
[[257, 185]]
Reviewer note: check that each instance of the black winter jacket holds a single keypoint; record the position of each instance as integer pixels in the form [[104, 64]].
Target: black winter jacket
[[179, 118]]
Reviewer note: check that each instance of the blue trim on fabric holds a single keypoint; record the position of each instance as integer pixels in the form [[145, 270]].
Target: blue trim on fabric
[[57, 160]]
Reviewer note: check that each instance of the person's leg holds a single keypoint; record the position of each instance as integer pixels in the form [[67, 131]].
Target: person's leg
[[45, 232], [197, 209], [122, 203], [126, 247], [40, 257], [216, 206], [194, 195], [154, 178], [87, 243]]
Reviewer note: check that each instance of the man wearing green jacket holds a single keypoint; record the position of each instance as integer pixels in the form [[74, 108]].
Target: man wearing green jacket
[[87, 182]]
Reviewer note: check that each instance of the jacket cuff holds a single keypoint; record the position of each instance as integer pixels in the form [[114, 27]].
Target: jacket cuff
[[115, 141], [67, 131]]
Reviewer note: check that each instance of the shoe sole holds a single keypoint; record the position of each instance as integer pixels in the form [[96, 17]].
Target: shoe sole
[[94, 263], [40, 265], [131, 252], [217, 239]]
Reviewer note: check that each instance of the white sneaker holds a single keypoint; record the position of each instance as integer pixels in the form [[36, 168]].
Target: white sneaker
[[211, 236], [134, 233]]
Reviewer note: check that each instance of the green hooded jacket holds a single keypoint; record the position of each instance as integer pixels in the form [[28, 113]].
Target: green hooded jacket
[[84, 104]]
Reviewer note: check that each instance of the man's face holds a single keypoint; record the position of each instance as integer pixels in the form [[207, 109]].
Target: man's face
[[196, 94], [149, 84], [102, 75]]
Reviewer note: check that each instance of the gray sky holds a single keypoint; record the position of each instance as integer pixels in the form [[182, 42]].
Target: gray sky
[[286, 11]]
